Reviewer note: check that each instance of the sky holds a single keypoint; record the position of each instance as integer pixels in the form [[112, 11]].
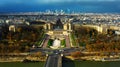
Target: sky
[[34, 5], [5, 2]]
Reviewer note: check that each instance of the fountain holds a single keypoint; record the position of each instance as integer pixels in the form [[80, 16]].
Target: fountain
[[56, 44]]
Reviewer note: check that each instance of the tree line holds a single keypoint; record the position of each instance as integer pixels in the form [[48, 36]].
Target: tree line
[[21, 40], [94, 41]]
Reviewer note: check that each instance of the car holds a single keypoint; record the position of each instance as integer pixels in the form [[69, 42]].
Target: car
[[56, 53]]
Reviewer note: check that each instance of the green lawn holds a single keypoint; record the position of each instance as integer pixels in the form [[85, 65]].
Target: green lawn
[[63, 43], [40, 39], [73, 40], [50, 42]]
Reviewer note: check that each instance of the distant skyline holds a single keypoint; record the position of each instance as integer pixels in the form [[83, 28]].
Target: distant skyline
[[42, 5]]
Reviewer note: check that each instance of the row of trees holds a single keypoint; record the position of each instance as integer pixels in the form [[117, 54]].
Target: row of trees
[[84, 35], [20, 40], [76, 54], [13, 48], [94, 41]]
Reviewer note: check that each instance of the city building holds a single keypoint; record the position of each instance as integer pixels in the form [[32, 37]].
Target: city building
[[58, 28]]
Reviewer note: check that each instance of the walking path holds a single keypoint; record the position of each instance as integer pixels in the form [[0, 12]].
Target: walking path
[[46, 42], [67, 41]]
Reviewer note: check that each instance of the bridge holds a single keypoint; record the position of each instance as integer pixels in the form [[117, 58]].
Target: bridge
[[54, 61], [55, 58]]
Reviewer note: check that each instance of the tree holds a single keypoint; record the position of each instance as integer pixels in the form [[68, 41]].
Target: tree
[[37, 54], [76, 54]]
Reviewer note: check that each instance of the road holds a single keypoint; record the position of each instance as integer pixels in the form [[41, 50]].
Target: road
[[64, 51], [53, 61]]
